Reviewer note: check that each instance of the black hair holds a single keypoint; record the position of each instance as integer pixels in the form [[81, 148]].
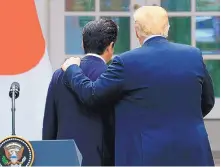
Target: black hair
[[98, 35]]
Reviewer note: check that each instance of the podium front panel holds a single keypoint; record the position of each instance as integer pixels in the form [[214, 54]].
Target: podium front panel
[[56, 153]]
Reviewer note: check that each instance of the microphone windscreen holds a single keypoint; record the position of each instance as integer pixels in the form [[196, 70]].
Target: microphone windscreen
[[16, 85]]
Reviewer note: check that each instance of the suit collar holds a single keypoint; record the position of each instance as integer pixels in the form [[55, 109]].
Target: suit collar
[[154, 39], [152, 36], [96, 55]]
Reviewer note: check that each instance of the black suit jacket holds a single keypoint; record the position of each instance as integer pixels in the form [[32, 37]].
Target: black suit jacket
[[67, 118], [207, 97]]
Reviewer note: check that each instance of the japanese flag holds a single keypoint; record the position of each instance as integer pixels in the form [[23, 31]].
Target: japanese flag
[[23, 59]]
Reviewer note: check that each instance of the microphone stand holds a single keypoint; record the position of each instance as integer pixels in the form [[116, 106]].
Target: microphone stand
[[13, 112]]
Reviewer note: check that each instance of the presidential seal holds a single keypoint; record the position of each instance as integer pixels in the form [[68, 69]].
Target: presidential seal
[[16, 152]]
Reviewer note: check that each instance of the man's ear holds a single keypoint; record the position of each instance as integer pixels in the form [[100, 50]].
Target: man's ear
[[112, 44], [136, 32], [110, 47]]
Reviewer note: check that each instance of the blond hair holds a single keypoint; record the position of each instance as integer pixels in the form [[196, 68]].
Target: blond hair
[[151, 20]]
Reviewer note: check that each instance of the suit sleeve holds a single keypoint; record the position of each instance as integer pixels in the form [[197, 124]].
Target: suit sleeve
[[106, 88], [207, 99], [49, 131]]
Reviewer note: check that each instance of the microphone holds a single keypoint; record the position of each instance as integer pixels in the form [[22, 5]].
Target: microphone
[[14, 89], [14, 94]]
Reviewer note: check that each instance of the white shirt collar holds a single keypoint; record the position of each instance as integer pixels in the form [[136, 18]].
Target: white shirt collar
[[96, 55], [152, 36]]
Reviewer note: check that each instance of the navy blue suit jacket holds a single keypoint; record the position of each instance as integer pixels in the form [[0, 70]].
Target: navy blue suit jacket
[[164, 90], [66, 118]]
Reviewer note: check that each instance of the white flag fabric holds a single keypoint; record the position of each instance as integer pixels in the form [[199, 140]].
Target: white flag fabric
[[23, 59]]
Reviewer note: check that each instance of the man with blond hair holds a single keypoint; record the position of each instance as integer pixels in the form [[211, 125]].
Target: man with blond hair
[[163, 91]]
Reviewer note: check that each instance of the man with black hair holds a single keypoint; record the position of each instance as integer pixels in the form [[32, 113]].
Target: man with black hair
[[67, 118]]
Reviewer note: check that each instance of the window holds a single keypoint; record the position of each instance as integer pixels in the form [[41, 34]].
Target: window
[[213, 66], [207, 34], [207, 5], [73, 33], [114, 5], [123, 40], [80, 12], [176, 5], [80, 5], [180, 30]]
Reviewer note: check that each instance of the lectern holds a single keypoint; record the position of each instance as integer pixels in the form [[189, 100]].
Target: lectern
[[16, 151], [56, 153]]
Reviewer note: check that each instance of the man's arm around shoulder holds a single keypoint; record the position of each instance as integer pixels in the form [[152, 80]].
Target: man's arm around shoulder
[[107, 87]]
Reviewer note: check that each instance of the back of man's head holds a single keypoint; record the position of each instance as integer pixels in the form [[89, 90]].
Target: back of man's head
[[98, 35], [151, 20]]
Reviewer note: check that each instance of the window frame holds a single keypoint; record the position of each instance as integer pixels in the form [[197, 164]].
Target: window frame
[[98, 13], [58, 12], [192, 14]]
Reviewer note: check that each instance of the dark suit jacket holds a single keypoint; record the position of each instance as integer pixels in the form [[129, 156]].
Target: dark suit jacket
[[66, 118], [165, 91]]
